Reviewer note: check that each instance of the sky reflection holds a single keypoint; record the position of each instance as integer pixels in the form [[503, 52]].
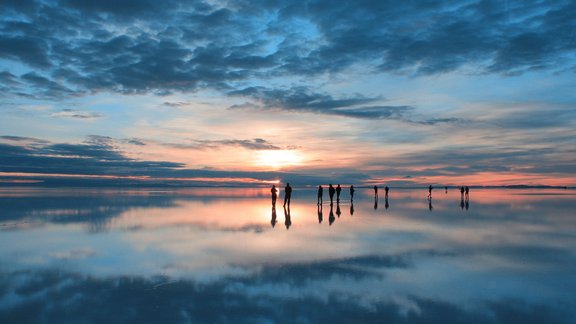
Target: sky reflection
[[509, 254]]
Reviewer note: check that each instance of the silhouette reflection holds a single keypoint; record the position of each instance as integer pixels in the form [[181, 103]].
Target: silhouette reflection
[[338, 212], [375, 202], [273, 220], [430, 207], [287, 219], [320, 217], [352, 209], [386, 205], [331, 217]]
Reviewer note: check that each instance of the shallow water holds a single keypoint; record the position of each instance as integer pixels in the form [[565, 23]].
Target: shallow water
[[219, 255]]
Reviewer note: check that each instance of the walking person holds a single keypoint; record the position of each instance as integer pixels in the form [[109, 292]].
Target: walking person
[[331, 192], [274, 195], [338, 190], [386, 189], [320, 194], [430, 191], [287, 195], [352, 193]]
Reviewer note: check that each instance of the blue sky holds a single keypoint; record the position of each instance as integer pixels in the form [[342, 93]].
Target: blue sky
[[365, 92]]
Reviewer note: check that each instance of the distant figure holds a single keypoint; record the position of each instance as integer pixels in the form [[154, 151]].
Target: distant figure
[[352, 209], [287, 219], [467, 192], [320, 217], [430, 192], [331, 217], [273, 220], [274, 195], [375, 192], [320, 194], [287, 194], [462, 192], [331, 192], [338, 212], [338, 190], [386, 189], [352, 192], [446, 190]]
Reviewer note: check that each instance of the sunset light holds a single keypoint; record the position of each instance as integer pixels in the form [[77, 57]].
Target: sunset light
[[278, 159]]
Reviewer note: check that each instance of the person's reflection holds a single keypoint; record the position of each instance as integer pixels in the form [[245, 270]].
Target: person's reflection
[[352, 208], [273, 220], [375, 203], [338, 212], [467, 201], [287, 220], [320, 217], [386, 205], [430, 204], [331, 217], [462, 202]]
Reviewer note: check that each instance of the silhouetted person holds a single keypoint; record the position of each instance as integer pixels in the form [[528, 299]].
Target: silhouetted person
[[338, 191], [320, 216], [320, 194], [386, 189], [331, 217], [375, 192], [352, 209], [430, 191], [462, 192], [338, 212], [287, 219], [467, 190], [446, 189], [273, 220], [331, 192], [386, 205], [274, 195], [352, 192], [287, 194]]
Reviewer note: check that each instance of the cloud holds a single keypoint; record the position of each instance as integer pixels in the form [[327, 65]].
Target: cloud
[[80, 47], [302, 99], [72, 113]]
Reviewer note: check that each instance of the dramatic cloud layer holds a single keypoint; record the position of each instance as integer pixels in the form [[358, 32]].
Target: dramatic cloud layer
[[141, 46]]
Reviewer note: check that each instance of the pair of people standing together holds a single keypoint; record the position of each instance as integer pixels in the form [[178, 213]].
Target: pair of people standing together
[[287, 195]]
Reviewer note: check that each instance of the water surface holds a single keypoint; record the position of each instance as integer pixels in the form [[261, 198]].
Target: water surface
[[225, 255]]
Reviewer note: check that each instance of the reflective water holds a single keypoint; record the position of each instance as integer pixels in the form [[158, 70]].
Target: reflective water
[[225, 255]]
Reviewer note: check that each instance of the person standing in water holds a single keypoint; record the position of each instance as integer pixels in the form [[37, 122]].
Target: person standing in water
[[338, 190], [274, 195], [386, 189], [430, 191], [287, 195], [352, 193], [320, 194], [331, 192]]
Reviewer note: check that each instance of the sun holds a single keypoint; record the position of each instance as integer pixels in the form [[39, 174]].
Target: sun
[[278, 159]]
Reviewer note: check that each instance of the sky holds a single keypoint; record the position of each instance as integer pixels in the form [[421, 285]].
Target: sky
[[215, 92]]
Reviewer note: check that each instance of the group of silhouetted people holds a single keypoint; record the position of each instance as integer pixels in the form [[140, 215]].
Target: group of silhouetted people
[[464, 201]]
